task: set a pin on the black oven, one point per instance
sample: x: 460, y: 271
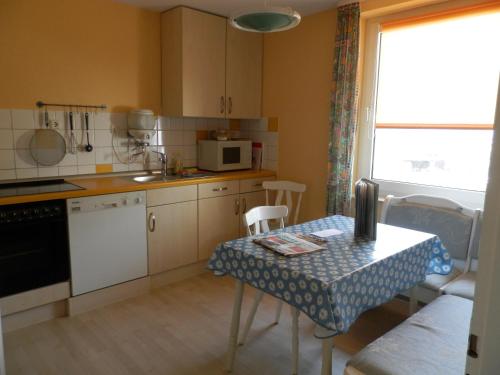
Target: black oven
x: 34, y: 248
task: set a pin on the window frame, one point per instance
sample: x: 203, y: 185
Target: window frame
x: 366, y: 119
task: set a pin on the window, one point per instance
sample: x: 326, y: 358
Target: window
x: 433, y: 104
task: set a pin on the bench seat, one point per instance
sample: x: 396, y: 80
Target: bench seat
x: 463, y: 286
x: 431, y: 342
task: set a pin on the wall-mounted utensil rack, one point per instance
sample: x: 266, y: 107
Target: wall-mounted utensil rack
x: 41, y: 104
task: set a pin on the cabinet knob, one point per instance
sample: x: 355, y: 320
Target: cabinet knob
x: 220, y: 189
x: 230, y: 105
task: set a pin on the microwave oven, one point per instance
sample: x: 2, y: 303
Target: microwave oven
x: 218, y: 156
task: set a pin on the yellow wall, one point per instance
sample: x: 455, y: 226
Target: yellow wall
x: 296, y: 89
x: 80, y: 51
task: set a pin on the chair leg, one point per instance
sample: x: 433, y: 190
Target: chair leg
x: 295, y: 340
x: 235, y: 326
x: 413, y: 301
x: 256, y: 301
x: 278, y: 312
x: 326, y: 365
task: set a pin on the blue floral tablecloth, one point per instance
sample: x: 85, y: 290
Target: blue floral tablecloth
x: 334, y: 286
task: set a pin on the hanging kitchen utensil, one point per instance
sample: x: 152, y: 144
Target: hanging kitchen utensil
x: 88, y: 146
x: 47, y: 146
x: 72, y: 139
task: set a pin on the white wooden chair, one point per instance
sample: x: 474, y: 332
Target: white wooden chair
x: 453, y: 223
x: 258, y: 219
x: 464, y: 285
x: 286, y: 189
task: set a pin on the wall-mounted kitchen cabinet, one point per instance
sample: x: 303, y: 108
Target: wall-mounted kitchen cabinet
x: 243, y: 73
x: 209, y: 69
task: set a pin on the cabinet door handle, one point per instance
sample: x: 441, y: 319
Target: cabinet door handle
x: 244, y: 210
x: 152, y: 222
x: 222, y: 104
x: 230, y: 105
x: 220, y: 189
x: 236, y: 206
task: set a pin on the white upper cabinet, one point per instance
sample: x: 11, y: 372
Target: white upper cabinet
x: 209, y: 69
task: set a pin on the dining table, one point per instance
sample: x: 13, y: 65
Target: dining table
x: 334, y: 286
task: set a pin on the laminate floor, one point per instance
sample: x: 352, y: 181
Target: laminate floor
x: 182, y: 329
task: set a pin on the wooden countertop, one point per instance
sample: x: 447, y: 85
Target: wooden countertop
x: 120, y: 184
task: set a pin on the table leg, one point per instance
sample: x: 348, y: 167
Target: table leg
x: 258, y: 297
x: 326, y: 365
x: 413, y: 301
x: 235, y: 326
x: 295, y: 340
x: 278, y: 312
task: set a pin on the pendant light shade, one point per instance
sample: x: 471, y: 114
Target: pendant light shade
x: 266, y: 20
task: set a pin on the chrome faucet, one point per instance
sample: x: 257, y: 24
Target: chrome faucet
x: 162, y: 156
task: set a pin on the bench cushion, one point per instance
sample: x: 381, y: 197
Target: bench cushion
x: 463, y: 286
x: 435, y: 281
x: 431, y: 342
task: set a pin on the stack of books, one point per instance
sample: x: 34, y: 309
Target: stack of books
x: 365, y: 223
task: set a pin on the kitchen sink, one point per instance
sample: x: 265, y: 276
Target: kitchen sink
x: 160, y: 178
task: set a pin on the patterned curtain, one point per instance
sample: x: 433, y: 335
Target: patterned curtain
x: 343, y: 109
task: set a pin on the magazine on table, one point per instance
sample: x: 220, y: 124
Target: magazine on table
x: 290, y: 244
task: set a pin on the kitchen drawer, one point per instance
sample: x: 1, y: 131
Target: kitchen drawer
x: 218, y: 189
x: 157, y: 197
x: 253, y: 184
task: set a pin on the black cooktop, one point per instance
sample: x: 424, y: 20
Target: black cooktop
x: 36, y: 187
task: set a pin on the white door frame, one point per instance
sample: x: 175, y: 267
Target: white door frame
x: 485, y: 324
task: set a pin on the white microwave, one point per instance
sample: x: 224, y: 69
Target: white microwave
x: 220, y: 156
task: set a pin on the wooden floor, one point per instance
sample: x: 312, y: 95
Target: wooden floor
x: 181, y: 329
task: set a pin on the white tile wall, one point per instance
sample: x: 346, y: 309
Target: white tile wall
x: 5, y: 119
x: 23, y: 119
x: 178, y: 137
x: 257, y: 131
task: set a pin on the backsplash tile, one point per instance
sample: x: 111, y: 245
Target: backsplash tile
x: 7, y: 160
x: 23, y: 119
x: 7, y: 174
x: 24, y: 159
x: 22, y: 138
x: 6, y: 139
x: 112, y: 145
x: 27, y: 173
x: 5, y: 119
x: 259, y: 130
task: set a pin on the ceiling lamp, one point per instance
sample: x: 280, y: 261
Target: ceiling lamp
x: 265, y: 20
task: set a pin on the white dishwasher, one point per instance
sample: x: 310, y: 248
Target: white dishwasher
x: 107, y: 239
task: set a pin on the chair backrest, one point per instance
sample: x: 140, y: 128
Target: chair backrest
x: 474, y: 257
x: 285, y: 189
x: 455, y: 224
x: 258, y: 218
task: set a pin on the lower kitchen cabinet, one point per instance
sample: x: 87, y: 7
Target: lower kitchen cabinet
x: 218, y: 221
x: 247, y: 202
x: 172, y: 236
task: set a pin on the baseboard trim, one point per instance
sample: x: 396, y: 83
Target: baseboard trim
x: 35, y: 315
x: 178, y: 274
x: 34, y: 298
x: 106, y: 296
x: 36, y: 306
